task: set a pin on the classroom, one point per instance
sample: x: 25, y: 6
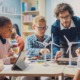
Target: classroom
x: 39, y: 40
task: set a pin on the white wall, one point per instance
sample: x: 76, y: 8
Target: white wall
x: 50, y: 6
x: 13, y: 4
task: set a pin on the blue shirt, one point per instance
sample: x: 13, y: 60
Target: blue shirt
x: 33, y: 47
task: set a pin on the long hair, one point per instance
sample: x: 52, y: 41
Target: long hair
x: 17, y: 29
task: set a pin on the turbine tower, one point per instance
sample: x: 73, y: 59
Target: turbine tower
x: 52, y: 43
x: 44, y: 43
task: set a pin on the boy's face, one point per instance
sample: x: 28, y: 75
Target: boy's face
x: 6, y: 31
x: 40, y: 29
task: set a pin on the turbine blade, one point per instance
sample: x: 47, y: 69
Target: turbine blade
x: 66, y: 39
x: 46, y: 39
x: 75, y: 42
x: 39, y: 42
x: 50, y: 42
x: 55, y: 44
x: 67, y: 50
x: 45, y: 43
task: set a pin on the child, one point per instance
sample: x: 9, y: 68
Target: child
x: 35, y: 49
x: 6, y: 53
x: 5, y: 32
x: 18, y: 38
x: 14, y: 42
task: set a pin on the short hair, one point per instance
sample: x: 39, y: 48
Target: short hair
x: 4, y: 21
x: 38, y: 19
x: 63, y: 7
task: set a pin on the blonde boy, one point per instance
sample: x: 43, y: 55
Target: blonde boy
x: 36, y: 50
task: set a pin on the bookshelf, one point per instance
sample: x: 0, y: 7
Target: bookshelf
x: 10, y: 14
x: 30, y: 9
x: 31, y: 12
x: 27, y: 22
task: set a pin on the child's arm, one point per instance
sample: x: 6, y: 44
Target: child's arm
x: 10, y: 50
x: 77, y: 76
x: 20, y: 43
x: 78, y: 52
x: 9, y: 60
x: 11, y: 55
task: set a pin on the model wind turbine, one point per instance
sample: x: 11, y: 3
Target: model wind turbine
x: 52, y: 43
x: 44, y: 44
x: 69, y: 48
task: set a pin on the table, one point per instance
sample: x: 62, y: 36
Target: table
x: 35, y: 69
x: 70, y: 71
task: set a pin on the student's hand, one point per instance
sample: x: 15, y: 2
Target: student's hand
x: 58, y: 54
x: 12, y: 60
x: 78, y: 52
x: 9, y: 55
x: 42, y: 51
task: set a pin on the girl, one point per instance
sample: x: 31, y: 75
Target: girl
x: 6, y: 53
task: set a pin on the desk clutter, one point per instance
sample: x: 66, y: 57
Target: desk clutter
x: 65, y: 61
x: 60, y: 61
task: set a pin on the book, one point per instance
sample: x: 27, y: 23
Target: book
x: 24, y: 6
